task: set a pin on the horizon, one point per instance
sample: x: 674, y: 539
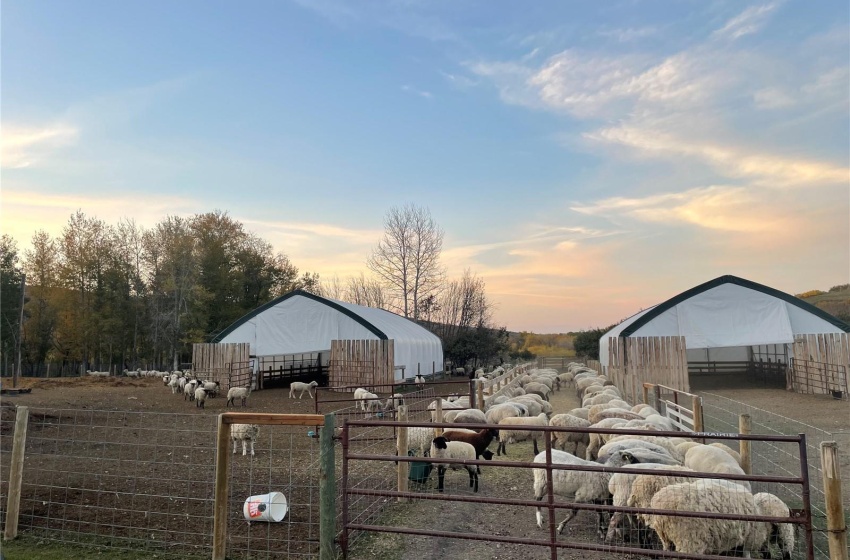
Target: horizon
x: 586, y: 161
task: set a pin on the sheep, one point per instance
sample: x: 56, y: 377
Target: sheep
x: 734, y: 454
x: 770, y: 505
x: 694, y: 535
x: 200, y: 397
x: 500, y: 411
x: 446, y: 405
x: 660, y: 453
x: 620, y: 485
x: 441, y: 448
x: 212, y: 388
x: 709, y: 459
x: 668, y: 444
x: 238, y: 393
x: 419, y: 439
x: 174, y: 383
x: 561, y: 439
x: 189, y: 390
x: 419, y: 379
x: 244, y: 433
x: 301, y: 388
x: 579, y: 412
x: 507, y: 435
x: 578, y: 486
x: 684, y: 445
x: 469, y: 416
x: 479, y: 440
x: 371, y: 402
x: 394, y: 402
x: 613, y: 413
x: 598, y: 440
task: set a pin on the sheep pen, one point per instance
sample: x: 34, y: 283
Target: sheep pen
x: 187, y: 434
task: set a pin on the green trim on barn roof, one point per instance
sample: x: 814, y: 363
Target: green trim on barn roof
x: 728, y: 279
x: 332, y: 304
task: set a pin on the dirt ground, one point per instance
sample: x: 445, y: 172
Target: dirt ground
x: 149, y: 395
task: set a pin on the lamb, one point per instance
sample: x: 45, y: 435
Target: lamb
x: 419, y: 379
x: 370, y: 402
x: 693, y: 535
x: 244, y: 433
x: 441, y: 448
x: 479, y: 440
x: 561, y: 439
x: 768, y: 504
x: 241, y: 393
x: 189, y: 390
x: 212, y: 388
x: 174, y: 383
x: 507, y: 435
x: 301, y: 388
x: 200, y: 397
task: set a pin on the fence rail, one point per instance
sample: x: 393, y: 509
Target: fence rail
x: 818, y: 378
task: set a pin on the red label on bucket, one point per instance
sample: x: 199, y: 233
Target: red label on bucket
x: 254, y: 509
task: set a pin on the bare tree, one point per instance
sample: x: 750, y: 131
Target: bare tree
x: 406, y: 258
x: 367, y: 291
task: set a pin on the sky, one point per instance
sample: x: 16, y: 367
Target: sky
x: 586, y: 159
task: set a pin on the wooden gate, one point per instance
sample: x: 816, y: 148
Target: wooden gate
x: 213, y: 360
x: 633, y: 361
x: 361, y: 363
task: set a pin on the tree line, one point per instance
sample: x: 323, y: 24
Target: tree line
x: 101, y: 296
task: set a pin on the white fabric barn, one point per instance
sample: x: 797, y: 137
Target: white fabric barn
x: 728, y: 319
x: 301, y: 322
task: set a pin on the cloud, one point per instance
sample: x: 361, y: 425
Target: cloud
x: 27, y: 146
x: 626, y: 35
x: 772, y: 98
x: 737, y: 162
x: 419, y: 92
x: 747, y: 22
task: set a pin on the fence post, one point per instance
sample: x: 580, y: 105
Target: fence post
x: 439, y: 410
x: 745, y: 426
x: 645, y: 393
x: 699, y: 425
x: 835, y: 525
x: 16, y: 473
x: 401, y: 450
x: 327, y: 489
x: 479, y: 387
x: 656, y: 389
x: 222, y: 475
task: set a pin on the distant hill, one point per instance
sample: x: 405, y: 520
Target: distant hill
x: 835, y: 301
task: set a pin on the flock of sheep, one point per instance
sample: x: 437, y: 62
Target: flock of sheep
x: 525, y: 403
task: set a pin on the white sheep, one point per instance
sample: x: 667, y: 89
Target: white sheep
x: 301, y: 388
x: 660, y: 454
x: 561, y: 439
x: 577, y: 486
x: 694, y: 535
x: 244, y: 433
x: 241, y: 393
x: 174, y: 382
x: 513, y: 435
x: 189, y: 390
x: 394, y: 402
x: 200, y: 397
x: 419, y: 439
x: 469, y: 416
x: 419, y: 379
x: 710, y: 459
x: 770, y: 505
x: 211, y: 387
x: 441, y: 448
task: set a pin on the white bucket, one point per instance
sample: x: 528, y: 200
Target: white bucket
x: 266, y: 507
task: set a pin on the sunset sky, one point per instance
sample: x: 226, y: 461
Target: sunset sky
x: 586, y: 159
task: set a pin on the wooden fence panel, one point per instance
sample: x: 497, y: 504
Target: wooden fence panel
x: 218, y: 357
x: 633, y: 361
x: 831, y: 349
x: 362, y: 363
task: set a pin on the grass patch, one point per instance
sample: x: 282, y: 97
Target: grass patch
x: 35, y: 548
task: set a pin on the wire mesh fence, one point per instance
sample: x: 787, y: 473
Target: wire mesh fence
x: 769, y: 458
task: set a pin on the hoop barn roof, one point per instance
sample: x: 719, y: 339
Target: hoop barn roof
x: 303, y: 322
x: 727, y: 312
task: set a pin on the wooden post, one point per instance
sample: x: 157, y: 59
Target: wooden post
x: 480, y: 401
x: 699, y: 425
x: 327, y: 490
x: 645, y: 393
x: 401, y: 446
x: 745, y: 426
x: 835, y: 524
x: 16, y: 473
x: 222, y: 475
x: 657, y: 391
